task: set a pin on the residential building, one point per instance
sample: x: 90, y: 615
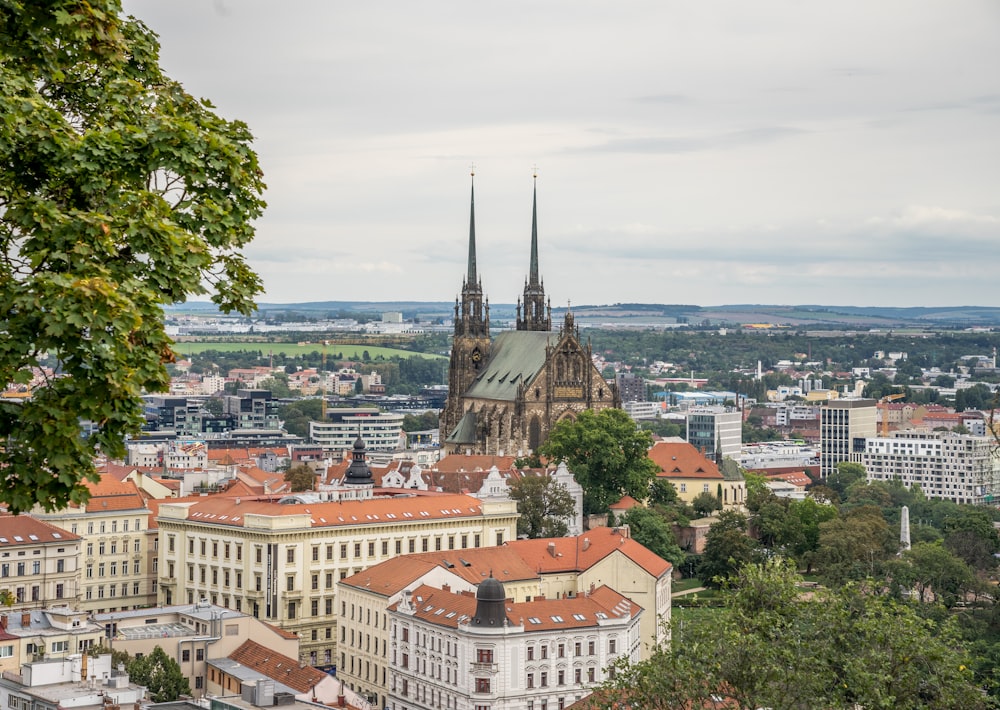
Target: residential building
x: 280, y: 560
x: 692, y: 473
x: 459, y: 650
x: 844, y: 425
x: 114, y: 561
x: 959, y: 467
x: 631, y: 387
x: 79, y: 681
x: 53, y: 632
x: 381, y: 431
x: 556, y: 568
x: 716, y: 431
x: 191, y: 634
x: 252, y: 409
x: 39, y: 562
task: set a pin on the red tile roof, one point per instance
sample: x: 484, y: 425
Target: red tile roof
x: 549, y: 555
x: 225, y: 510
x: 281, y: 668
x: 682, y: 460
x: 23, y: 529
x: 448, y: 609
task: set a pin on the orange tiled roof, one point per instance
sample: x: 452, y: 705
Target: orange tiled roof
x: 682, y: 460
x: 108, y: 493
x: 25, y: 530
x: 274, y: 665
x: 582, y: 552
x: 454, y: 463
x: 626, y: 503
x: 445, y: 608
x: 226, y: 510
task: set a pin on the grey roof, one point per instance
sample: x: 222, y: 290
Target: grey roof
x: 516, y: 357
x: 465, y: 431
x: 245, y: 674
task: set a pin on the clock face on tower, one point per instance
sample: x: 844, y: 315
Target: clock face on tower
x: 476, y: 356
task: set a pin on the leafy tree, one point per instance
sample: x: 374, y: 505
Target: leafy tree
x: 767, y: 648
x: 662, y: 427
x: 119, y: 194
x: 117, y: 655
x: 855, y: 546
x: 301, y: 478
x: 933, y: 573
x: 662, y: 492
x: 845, y: 474
x: 653, y: 531
x: 727, y: 548
x: 420, y: 422
x: 297, y: 415
x: 544, y: 504
x: 161, y: 675
x: 214, y: 406
x: 7, y: 598
x: 705, y: 504
x: 606, y: 454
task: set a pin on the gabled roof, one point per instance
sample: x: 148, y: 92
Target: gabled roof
x: 109, y: 493
x: 465, y: 431
x: 274, y: 665
x: 516, y: 356
x: 459, y: 463
x: 563, y: 554
x: 682, y: 460
x: 448, y: 609
x: 25, y: 530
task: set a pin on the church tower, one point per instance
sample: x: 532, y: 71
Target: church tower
x: 537, y: 314
x: 470, y: 347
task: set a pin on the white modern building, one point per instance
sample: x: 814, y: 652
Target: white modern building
x: 715, y: 430
x: 381, y: 431
x: 959, y: 467
x: 844, y: 425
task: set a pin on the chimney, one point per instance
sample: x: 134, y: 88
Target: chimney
x: 552, y: 549
x: 341, y: 701
x: 25, y: 619
x: 3, y: 622
x: 586, y: 544
x: 445, y: 587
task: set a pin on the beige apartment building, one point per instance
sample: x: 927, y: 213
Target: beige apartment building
x: 282, y: 561
x: 39, y: 563
x: 114, y: 560
x: 553, y: 569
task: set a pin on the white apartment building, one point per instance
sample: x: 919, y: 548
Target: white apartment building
x: 959, y: 467
x: 844, y: 425
x: 460, y: 651
x: 381, y: 431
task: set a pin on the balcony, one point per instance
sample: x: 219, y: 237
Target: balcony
x: 480, y: 668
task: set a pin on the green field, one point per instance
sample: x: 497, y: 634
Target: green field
x: 350, y: 352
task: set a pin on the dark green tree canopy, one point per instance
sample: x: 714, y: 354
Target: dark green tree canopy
x: 544, y: 505
x: 301, y: 478
x: 161, y: 675
x: 606, y: 453
x: 119, y: 193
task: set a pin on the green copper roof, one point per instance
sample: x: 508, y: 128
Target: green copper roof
x: 465, y: 432
x: 516, y: 357
x: 472, y: 236
x: 533, y: 279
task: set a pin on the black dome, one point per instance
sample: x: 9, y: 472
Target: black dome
x: 490, y: 599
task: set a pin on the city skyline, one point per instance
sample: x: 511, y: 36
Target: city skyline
x: 705, y: 153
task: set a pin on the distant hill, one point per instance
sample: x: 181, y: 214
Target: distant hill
x: 658, y: 313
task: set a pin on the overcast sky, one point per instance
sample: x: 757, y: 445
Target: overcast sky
x: 840, y: 153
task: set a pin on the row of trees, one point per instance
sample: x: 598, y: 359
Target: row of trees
x: 160, y: 674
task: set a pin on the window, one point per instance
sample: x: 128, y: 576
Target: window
x: 290, y: 555
x: 437, y: 544
x: 612, y: 645
x: 199, y: 681
x: 225, y: 550
x: 371, y: 549
x: 4, y: 571
x: 500, y: 538
x: 576, y: 649
x: 545, y: 679
x: 258, y: 553
x: 704, y: 488
x: 385, y: 548
x: 343, y: 551
x: 482, y: 685
x: 203, y: 546
x: 315, y: 581
x: 315, y: 553
x: 423, y: 545
x: 399, y: 547
x: 185, y: 655
x: 90, y: 549
x: 578, y: 676
x: 531, y: 679
x: 170, y: 543
x: 590, y: 648
x: 562, y: 677
x: 545, y: 651
x: 314, y: 608
x: 562, y: 650
x: 484, y: 655
x: 136, y: 547
x: 413, y: 545
x: 291, y: 610
x: 100, y: 570
x: 36, y: 567
x: 357, y: 549
x: 590, y: 675
x: 684, y: 488
x: 290, y: 583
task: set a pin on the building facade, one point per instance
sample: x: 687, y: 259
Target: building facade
x: 281, y: 561
x: 958, y: 467
x: 477, y: 652
x: 381, y: 431
x: 506, y: 393
x: 844, y: 425
x: 114, y: 560
x: 39, y: 563
x: 716, y: 431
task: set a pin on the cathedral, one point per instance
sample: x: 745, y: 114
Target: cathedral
x: 506, y: 393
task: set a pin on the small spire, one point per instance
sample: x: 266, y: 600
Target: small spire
x: 533, y: 269
x: 472, y: 230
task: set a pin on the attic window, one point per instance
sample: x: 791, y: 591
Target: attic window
x: 534, y: 620
x: 579, y: 617
x: 56, y: 535
x: 33, y: 538
x: 557, y: 619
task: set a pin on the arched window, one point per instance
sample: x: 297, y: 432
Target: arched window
x: 534, y: 433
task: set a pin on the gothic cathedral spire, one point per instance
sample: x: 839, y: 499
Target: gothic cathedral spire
x: 537, y: 314
x: 472, y: 314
